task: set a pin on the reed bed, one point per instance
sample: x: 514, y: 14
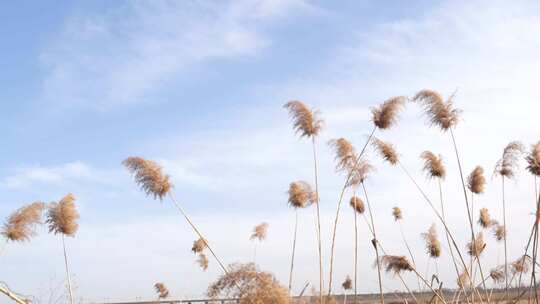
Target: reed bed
x: 251, y: 285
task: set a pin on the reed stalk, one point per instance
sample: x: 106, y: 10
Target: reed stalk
x: 375, y: 245
x: 316, y: 173
x: 293, y: 249
x: 68, y: 276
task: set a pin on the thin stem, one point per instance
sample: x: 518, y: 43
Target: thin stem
x: 408, y: 249
x: 349, y: 175
x: 505, y: 248
x: 67, y: 271
x: 446, y: 232
x: 355, y: 254
x: 10, y: 294
x: 428, y: 285
x: 198, y: 232
x: 293, y: 249
x: 318, y: 219
x: 375, y: 244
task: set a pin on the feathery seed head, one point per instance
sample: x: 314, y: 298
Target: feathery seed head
x: 161, y: 290
x: 463, y: 280
x: 533, y: 160
x: 305, y: 121
x: 357, y: 204
x: 386, y: 150
x: 508, y: 164
x: 62, y: 216
x: 433, y: 165
x: 199, y: 245
x: 386, y: 114
x: 345, y: 154
x: 485, y: 219
x: 433, y: 245
x: 359, y: 173
x: 396, y: 212
x: 521, y: 265
x: 347, y: 284
x: 497, y: 274
x: 149, y: 176
x: 476, y: 247
x: 396, y: 264
x: 301, y: 195
x: 20, y: 225
x: 476, y: 180
x: 499, y: 231
x: 440, y: 113
x: 203, y: 261
x: 259, y: 232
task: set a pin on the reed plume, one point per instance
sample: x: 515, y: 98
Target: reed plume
x: 259, y: 232
x: 359, y: 173
x: 440, y: 113
x: 485, y: 219
x: 20, y: 225
x: 347, y: 284
x: 396, y: 213
x: 300, y: 194
x: 476, y: 246
x: 203, y: 261
x: 499, y: 231
x: 433, y: 165
x: 508, y: 164
x: 357, y: 204
x: 386, y: 150
x: 463, y: 280
x: 345, y: 154
x: 533, y: 160
x: 149, y: 176
x: 62, y: 219
x: 161, y: 290
x: 396, y: 264
x: 199, y: 245
x: 476, y: 181
x: 256, y: 287
x: 521, y: 265
x: 497, y: 274
x: 386, y: 114
x: 433, y: 245
x: 306, y: 121
x: 62, y: 216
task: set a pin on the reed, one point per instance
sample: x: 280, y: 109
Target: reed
x: 161, y: 290
x: 259, y: 234
x: 398, y: 218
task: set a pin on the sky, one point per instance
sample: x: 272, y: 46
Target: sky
x: 199, y: 87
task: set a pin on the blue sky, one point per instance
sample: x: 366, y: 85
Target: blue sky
x: 199, y: 87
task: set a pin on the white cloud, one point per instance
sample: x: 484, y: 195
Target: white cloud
x: 120, y: 56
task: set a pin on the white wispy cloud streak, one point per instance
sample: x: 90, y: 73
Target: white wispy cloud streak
x: 119, y: 57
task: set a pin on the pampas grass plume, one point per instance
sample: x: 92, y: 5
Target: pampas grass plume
x: 533, y: 160
x: 357, y: 204
x: 62, y: 216
x: 305, y: 121
x: 161, y: 290
x: 259, y: 232
x: 440, y: 113
x: 386, y: 114
x: 476, y: 180
x: 396, y: 212
x: 433, y: 165
x: 386, y: 150
x: 507, y: 165
x: 20, y: 225
x: 149, y: 176
x: 301, y: 194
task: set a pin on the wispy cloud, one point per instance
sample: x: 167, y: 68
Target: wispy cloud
x: 118, y: 57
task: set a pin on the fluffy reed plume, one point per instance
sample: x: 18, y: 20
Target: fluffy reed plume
x: 396, y: 212
x: 521, y: 265
x: 149, y: 176
x: 508, y: 164
x: 476, y: 246
x: 259, y: 232
x: 485, y: 219
x: 359, y: 173
x: 161, y: 290
x: 20, y: 225
x: 476, y: 180
x: 433, y: 165
x: 533, y: 160
x: 440, y: 113
x: 386, y: 114
x: 62, y: 216
x: 357, y: 204
x: 199, y: 245
x: 300, y: 194
x: 386, y: 150
x: 203, y: 261
x: 396, y: 264
x: 497, y: 274
x: 499, y: 231
x: 463, y: 280
x: 305, y: 121
x: 347, y: 284
x: 254, y: 286
x: 433, y: 245
x: 345, y: 154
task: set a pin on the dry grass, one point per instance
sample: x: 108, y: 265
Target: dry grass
x: 386, y: 150
x: 440, y: 113
x: 386, y: 114
x: 396, y: 264
x: 255, y: 287
x: 199, y: 245
x: 433, y: 165
x: 476, y: 181
x: 485, y: 219
x: 306, y: 121
x: 20, y: 225
x: 62, y: 216
x: 259, y: 232
x: 301, y: 194
x: 499, y: 231
x: 497, y: 274
x: 509, y: 163
x: 476, y: 247
x: 533, y: 160
x: 397, y: 214
x: 161, y: 290
x: 357, y: 204
x: 433, y: 245
x: 149, y: 176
